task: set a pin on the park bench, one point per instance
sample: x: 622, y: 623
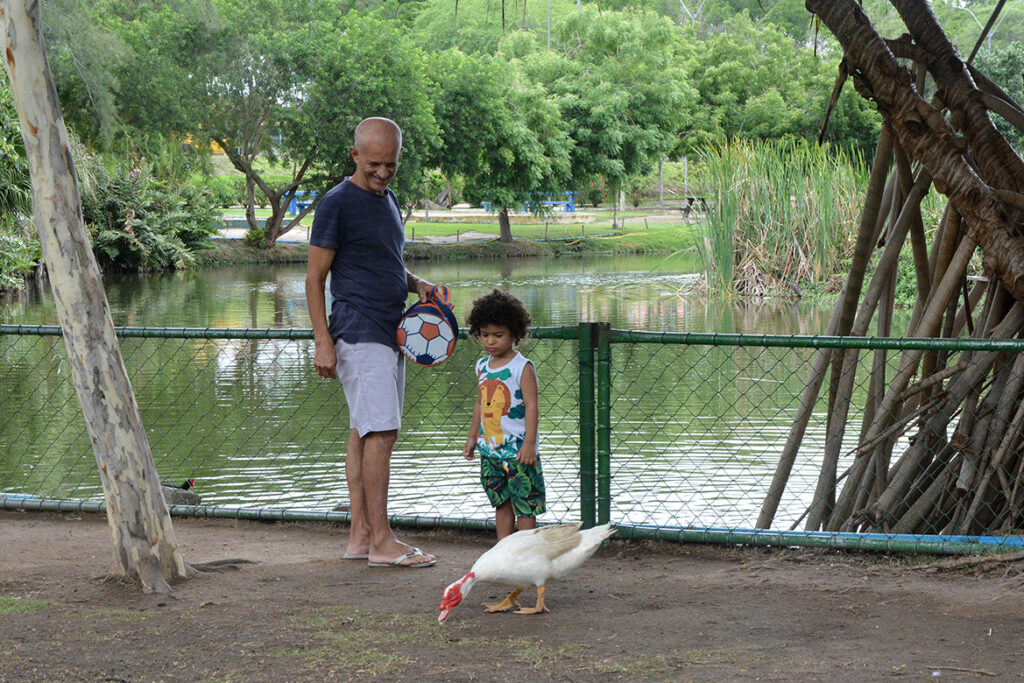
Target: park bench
x: 565, y: 200
x: 300, y: 201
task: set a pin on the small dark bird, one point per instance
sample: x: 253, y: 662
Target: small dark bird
x: 181, y: 495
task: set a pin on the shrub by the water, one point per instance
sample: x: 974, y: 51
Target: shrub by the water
x: 139, y: 223
x: 19, y: 256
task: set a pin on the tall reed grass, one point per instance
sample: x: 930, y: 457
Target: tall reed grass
x: 781, y: 217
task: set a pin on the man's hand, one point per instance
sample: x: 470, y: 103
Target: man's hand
x: 325, y: 360
x: 419, y: 285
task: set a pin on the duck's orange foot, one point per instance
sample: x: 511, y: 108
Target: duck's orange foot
x: 539, y: 608
x: 508, y: 603
x: 532, y: 610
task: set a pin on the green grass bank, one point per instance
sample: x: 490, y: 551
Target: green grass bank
x: 634, y: 233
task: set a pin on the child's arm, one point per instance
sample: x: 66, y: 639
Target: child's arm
x: 528, y: 385
x: 474, y: 431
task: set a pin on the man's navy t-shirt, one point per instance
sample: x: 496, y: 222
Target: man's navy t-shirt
x: 368, y: 281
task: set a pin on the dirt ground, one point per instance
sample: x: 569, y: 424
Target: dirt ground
x: 635, y: 611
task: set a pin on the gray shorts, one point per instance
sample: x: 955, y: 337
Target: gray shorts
x: 373, y: 376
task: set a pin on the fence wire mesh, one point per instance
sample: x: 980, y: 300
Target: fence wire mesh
x: 690, y: 433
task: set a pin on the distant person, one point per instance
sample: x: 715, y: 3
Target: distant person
x: 358, y: 237
x: 504, y: 427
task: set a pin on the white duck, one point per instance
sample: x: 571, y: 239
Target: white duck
x: 527, y: 558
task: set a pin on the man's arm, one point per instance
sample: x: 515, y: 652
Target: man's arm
x: 320, y: 260
x: 418, y: 285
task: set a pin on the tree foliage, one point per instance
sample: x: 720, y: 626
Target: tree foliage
x: 1005, y: 66
x: 501, y: 132
x: 86, y: 54
x: 754, y: 82
x: 374, y: 70
x: 621, y: 87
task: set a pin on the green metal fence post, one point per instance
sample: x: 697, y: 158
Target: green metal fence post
x: 587, y: 465
x: 604, y: 422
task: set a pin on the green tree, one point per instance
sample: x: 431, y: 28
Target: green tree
x: 1005, y: 66
x: 502, y: 133
x: 479, y: 26
x: 620, y: 81
x: 86, y: 53
x: 372, y: 68
x: 282, y: 80
x: 754, y: 82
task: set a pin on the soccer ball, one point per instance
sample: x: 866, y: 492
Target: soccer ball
x: 425, y: 335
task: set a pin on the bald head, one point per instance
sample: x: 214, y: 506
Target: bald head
x: 376, y: 148
x: 377, y: 128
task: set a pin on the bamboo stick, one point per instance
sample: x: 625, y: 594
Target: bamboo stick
x: 934, y: 481
x: 883, y: 279
x: 1010, y: 435
x: 927, y: 327
x: 866, y: 236
x: 894, y: 500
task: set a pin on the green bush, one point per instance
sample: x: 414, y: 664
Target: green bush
x: 593, y: 192
x: 225, y: 190
x: 19, y: 256
x: 137, y: 223
x: 19, y: 250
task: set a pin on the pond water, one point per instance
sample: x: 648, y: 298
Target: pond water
x: 696, y: 431
x: 631, y: 292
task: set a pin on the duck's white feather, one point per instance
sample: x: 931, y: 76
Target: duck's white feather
x: 534, y: 556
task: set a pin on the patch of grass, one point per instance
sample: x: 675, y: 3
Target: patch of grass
x: 782, y: 215
x: 372, y: 644
x: 237, y: 251
x: 9, y: 605
x: 362, y: 642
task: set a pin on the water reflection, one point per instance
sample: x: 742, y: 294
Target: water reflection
x: 696, y: 431
x: 631, y: 292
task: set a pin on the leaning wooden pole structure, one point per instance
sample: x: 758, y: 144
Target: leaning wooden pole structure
x: 940, y: 446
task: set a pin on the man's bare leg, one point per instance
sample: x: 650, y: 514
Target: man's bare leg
x: 376, y: 472
x: 359, y: 527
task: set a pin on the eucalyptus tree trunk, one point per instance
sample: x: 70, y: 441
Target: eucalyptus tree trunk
x: 143, y: 535
x: 967, y: 481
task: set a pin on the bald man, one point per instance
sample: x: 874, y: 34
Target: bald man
x: 358, y: 238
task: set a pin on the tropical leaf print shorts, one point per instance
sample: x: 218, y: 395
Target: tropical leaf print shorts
x: 509, y: 480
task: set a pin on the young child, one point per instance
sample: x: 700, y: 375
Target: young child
x: 504, y: 428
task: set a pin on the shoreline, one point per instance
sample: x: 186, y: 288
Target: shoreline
x: 229, y: 250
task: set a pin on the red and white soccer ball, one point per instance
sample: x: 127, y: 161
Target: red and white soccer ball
x: 426, y: 338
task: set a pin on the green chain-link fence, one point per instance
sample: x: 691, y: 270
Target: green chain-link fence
x: 667, y: 435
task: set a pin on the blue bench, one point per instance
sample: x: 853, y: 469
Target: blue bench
x: 565, y: 200
x: 300, y: 201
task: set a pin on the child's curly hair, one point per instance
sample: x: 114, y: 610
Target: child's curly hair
x: 499, y: 308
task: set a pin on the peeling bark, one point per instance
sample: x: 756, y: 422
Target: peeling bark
x: 143, y: 536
